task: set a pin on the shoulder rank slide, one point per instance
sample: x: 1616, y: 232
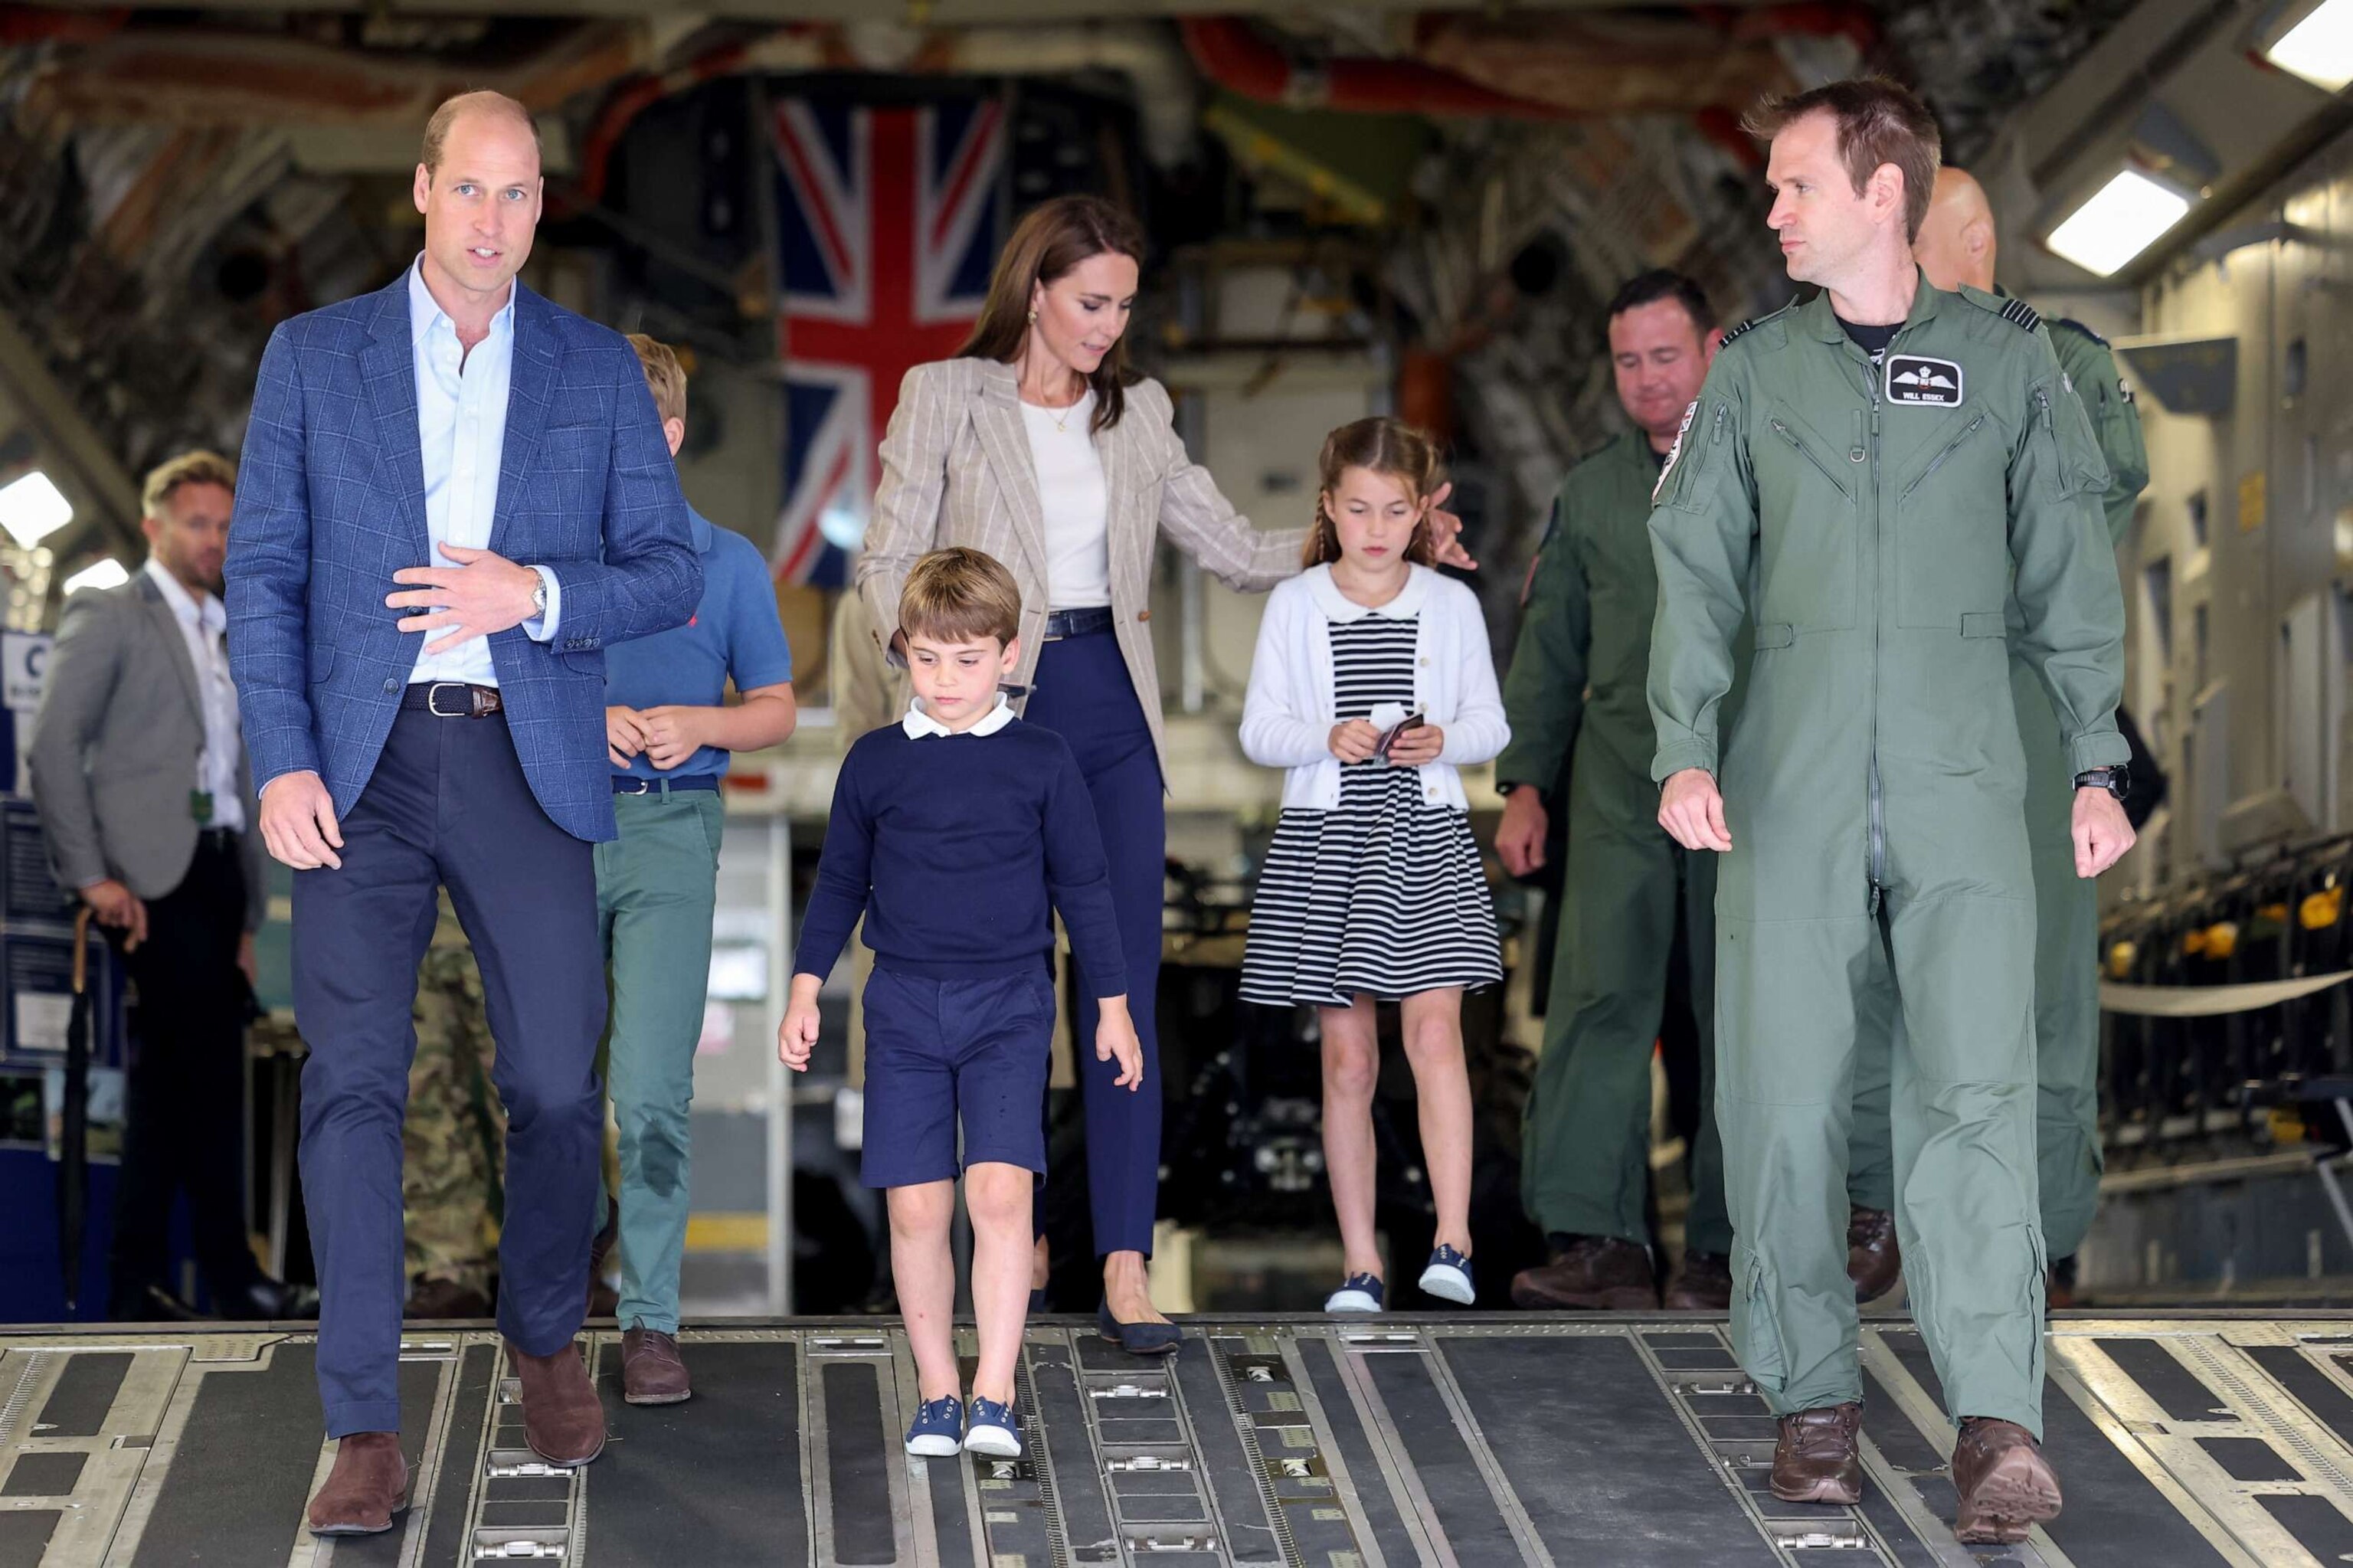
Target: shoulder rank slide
x: 2074, y: 325
x: 2019, y: 314
x: 1751, y: 323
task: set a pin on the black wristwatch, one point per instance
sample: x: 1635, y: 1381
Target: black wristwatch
x: 1505, y: 790
x: 2115, y: 781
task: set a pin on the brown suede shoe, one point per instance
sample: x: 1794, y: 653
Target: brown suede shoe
x: 652, y: 1371
x: 1701, y: 1284
x: 1815, y: 1460
x: 1593, y: 1274
x: 366, y: 1490
x: 562, y: 1419
x: 2005, y: 1484
x: 1873, y: 1260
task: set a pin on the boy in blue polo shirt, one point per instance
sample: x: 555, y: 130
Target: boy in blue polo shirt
x: 670, y: 737
x: 958, y: 833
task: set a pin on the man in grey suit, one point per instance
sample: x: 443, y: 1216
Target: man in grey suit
x: 147, y: 807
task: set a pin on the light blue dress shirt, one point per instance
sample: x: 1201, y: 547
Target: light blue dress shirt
x: 461, y: 428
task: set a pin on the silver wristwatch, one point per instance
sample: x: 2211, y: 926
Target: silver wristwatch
x: 538, y: 595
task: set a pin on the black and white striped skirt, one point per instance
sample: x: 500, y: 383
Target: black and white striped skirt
x: 1382, y: 897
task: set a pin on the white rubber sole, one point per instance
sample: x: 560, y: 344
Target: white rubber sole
x: 1350, y: 1301
x: 934, y: 1445
x: 995, y: 1442
x: 1449, y: 1285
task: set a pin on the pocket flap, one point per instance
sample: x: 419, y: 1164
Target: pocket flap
x: 1984, y: 623
x: 1776, y: 634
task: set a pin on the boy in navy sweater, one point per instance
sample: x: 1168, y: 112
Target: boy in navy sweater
x: 957, y: 833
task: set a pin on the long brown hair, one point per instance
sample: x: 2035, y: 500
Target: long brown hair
x: 1383, y: 445
x: 1051, y: 239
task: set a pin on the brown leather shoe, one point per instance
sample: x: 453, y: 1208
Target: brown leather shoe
x: 2005, y: 1484
x: 1593, y: 1274
x: 447, y: 1299
x: 366, y: 1490
x: 652, y: 1371
x: 1815, y: 1459
x: 562, y: 1419
x: 1702, y: 1283
x: 1873, y: 1260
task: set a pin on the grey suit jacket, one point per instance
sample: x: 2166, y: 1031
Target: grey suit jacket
x: 956, y: 470
x: 115, y: 746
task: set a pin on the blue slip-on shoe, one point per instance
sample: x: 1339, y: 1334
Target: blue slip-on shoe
x: 1037, y: 1303
x: 1137, y: 1339
x: 1448, y: 1277
x: 996, y: 1431
x: 1358, y: 1293
x: 938, y: 1431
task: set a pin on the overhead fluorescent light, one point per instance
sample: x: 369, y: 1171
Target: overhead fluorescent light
x: 2122, y: 219
x: 108, y: 573
x: 2320, y: 47
x: 32, y: 509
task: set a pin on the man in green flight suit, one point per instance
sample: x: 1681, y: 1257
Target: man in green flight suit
x: 1869, y: 476
x: 1631, y: 892
x: 1957, y: 247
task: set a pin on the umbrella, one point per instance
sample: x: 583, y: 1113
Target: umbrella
x: 73, y: 1137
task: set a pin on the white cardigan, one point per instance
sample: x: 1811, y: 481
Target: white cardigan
x: 1288, y: 716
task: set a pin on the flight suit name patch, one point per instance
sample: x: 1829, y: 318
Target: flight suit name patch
x: 1933, y: 383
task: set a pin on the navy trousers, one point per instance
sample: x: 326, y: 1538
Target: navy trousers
x: 448, y: 804
x: 1082, y: 692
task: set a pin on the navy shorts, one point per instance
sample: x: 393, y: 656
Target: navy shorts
x: 940, y: 1051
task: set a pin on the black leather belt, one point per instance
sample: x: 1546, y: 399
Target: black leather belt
x: 451, y: 699
x: 1061, y: 623
x: 624, y: 785
x: 220, y: 840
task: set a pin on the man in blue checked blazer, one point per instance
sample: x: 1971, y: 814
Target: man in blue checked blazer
x: 455, y: 495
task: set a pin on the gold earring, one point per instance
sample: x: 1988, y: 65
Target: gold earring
x: 1033, y: 318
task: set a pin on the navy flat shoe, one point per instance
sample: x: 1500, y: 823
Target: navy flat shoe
x: 1137, y: 1339
x: 1037, y: 1303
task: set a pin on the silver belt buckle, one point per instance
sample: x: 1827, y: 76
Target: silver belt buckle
x: 433, y: 699
x: 635, y: 787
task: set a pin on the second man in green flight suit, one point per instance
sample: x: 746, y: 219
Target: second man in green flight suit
x: 1958, y: 247
x: 1872, y: 477
x: 1630, y: 894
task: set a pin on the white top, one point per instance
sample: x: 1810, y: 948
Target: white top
x: 461, y: 431
x: 919, y: 723
x: 1288, y: 716
x: 1077, y: 506
x: 203, y: 624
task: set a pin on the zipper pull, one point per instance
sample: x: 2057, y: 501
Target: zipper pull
x: 1874, y: 899
x: 1855, y: 453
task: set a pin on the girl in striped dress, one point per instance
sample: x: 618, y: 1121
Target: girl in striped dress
x: 1371, y: 685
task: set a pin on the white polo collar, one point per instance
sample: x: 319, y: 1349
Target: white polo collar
x: 919, y: 723
x: 1338, y: 607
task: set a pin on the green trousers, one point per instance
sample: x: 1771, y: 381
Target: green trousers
x: 2066, y: 1007
x: 1586, y: 1153
x: 657, y: 887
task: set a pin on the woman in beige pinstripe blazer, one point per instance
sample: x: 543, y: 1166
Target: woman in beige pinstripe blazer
x: 1042, y: 389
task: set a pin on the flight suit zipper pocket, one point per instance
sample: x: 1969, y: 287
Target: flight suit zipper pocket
x: 1790, y: 436
x: 1950, y: 448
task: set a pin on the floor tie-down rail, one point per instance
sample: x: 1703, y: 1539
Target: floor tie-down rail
x: 1466, y: 1439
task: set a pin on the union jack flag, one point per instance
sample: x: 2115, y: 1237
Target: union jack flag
x: 890, y: 221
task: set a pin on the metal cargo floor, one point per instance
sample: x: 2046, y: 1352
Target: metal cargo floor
x: 1469, y: 1439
